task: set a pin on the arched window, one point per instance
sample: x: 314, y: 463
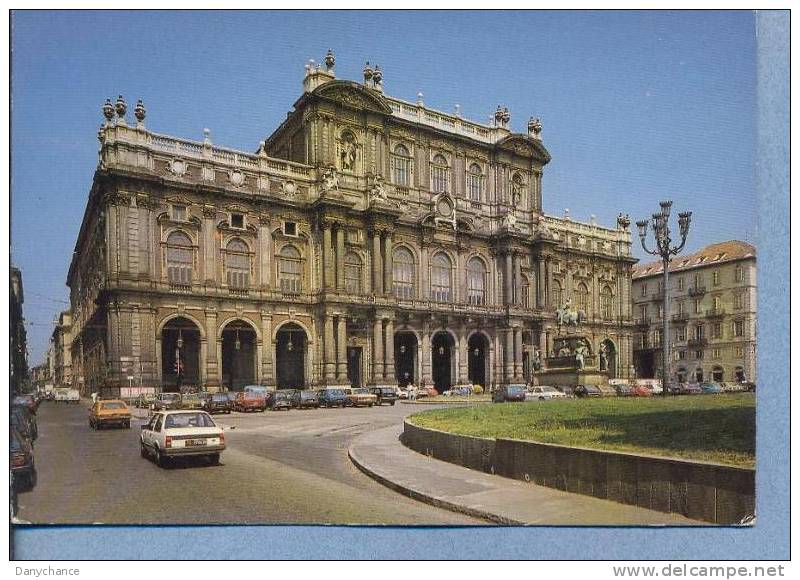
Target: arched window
x: 352, y: 273
x: 517, y: 186
x: 403, y: 273
x: 290, y: 269
x: 476, y: 281
x: 606, y: 303
x: 237, y: 264
x: 556, y: 295
x: 440, y: 175
x: 582, y: 298
x: 180, y: 256
x: 475, y: 183
x: 401, y: 166
x: 441, y: 280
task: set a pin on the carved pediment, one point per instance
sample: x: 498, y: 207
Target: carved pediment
x: 525, y: 147
x: 354, y: 96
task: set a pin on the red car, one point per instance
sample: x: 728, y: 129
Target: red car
x: 246, y: 402
x: 641, y: 391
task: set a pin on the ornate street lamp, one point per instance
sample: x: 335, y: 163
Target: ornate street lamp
x: 178, y: 363
x: 665, y: 249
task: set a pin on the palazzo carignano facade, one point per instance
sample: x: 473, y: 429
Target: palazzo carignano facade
x: 368, y: 241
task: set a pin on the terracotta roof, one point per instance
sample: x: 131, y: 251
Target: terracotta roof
x: 713, y: 254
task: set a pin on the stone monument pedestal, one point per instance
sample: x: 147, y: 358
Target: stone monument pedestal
x: 572, y: 365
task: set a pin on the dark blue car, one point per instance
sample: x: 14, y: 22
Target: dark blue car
x: 332, y: 398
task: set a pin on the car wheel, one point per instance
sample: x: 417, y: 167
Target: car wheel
x: 160, y: 460
x: 392, y: 403
x: 143, y: 450
x: 127, y: 424
x: 213, y: 459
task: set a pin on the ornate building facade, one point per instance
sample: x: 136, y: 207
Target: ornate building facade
x: 713, y: 298
x: 368, y: 240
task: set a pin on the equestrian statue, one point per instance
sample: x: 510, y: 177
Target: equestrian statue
x: 566, y: 315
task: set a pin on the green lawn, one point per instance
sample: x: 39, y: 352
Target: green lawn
x: 718, y: 428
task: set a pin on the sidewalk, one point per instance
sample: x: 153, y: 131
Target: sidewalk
x: 380, y: 455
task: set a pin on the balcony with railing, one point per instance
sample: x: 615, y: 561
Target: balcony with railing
x: 702, y: 341
x: 645, y: 321
x: 697, y: 290
x: 715, y: 312
x: 680, y: 317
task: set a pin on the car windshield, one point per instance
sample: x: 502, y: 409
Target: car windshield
x: 282, y: 395
x: 516, y: 389
x: 308, y: 395
x: 387, y: 391
x: 222, y: 397
x: 360, y: 391
x: 253, y: 396
x: 335, y: 392
x: 184, y: 420
x: 169, y: 396
x: 113, y: 405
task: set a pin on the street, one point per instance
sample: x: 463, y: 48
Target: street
x: 279, y: 468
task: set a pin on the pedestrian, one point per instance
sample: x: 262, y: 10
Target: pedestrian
x: 412, y: 392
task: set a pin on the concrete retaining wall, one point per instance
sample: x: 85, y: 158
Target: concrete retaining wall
x: 697, y: 490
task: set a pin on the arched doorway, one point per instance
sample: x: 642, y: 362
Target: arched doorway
x: 717, y: 374
x: 681, y: 375
x: 478, y: 355
x: 698, y: 375
x: 607, y: 356
x: 739, y: 374
x: 290, y: 357
x: 238, y: 355
x: 442, y: 349
x: 180, y: 355
x: 405, y: 357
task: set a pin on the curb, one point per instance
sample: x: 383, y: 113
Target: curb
x: 444, y: 402
x: 426, y: 498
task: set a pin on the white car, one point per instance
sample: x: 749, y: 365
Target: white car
x: 543, y: 393
x: 171, y: 434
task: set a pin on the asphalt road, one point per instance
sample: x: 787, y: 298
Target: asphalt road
x: 279, y: 468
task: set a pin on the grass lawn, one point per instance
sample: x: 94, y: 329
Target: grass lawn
x: 718, y: 428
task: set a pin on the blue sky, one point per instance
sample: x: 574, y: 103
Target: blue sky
x: 636, y: 106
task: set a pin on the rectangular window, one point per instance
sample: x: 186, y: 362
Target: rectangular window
x: 681, y: 355
x: 237, y: 221
x: 642, y: 341
x: 661, y: 311
x: 697, y: 305
x: 716, y: 330
x: 643, y: 312
x: 698, y: 354
x: 474, y: 186
x: 680, y: 334
x: 401, y: 171
x: 716, y: 353
x: 440, y: 179
x: 290, y: 228
x: 739, y: 352
x: 179, y: 213
x: 644, y: 289
x: 738, y: 328
x: 738, y: 301
x: 739, y: 275
x: 715, y: 277
x: 681, y: 284
x: 352, y: 278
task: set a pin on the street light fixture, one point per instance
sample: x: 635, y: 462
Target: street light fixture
x: 665, y: 249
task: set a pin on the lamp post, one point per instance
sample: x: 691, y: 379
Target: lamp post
x: 665, y: 249
x: 178, y: 363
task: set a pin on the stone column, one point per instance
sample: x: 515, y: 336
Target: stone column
x: 264, y: 255
x: 546, y: 283
x: 377, y: 269
x: 340, y: 259
x: 111, y: 239
x: 327, y: 256
x: 508, y: 355
x: 427, y: 376
x: 267, y: 374
x: 212, y: 361
x: 463, y: 357
x: 377, y: 350
x: 387, y: 263
x: 341, y: 350
x: 518, y: 278
x: 329, y: 344
x: 508, y: 280
x: 518, y: 353
x: 540, y: 278
x: 388, y: 352
x: 209, y: 251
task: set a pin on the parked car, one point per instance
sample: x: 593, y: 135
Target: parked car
x: 191, y: 401
x: 568, y: 390
x: 259, y: 390
x: 232, y: 398
x: 360, y: 397
x: 109, y: 412
x: 166, y: 401
x: 21, y: 460
x: 733, y: 387
x: 72, y: 396
x: 247, y: 402
x: 543, y: 393
x: 653, y: 384
x: 19, y: 420
x: 685, y: 389
x: 462, y: 391
x: 305, y: 399
x: 281, y: 399
x: 640, y: 391
x: 217, y: 403
x: 509, y: 394
x: 582, y: 391
x: 332, y: 398
x: 710, y: 388
x: 27, y: 401
x: 623, y: 390
x: 384, y: 395
x: 402, y: 392
x: 749, y: 386
x: 171, y: 434
x: 29, y: 417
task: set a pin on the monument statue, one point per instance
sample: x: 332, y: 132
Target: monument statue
x: 566, y: 315
x: 330, y: 180
x: 581, y: 352
x: 603, y: 357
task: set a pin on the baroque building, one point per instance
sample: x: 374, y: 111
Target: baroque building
x: 18, y: 338
x: 368, y: 240
x: 713, y: 315
x: 61, y: 346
